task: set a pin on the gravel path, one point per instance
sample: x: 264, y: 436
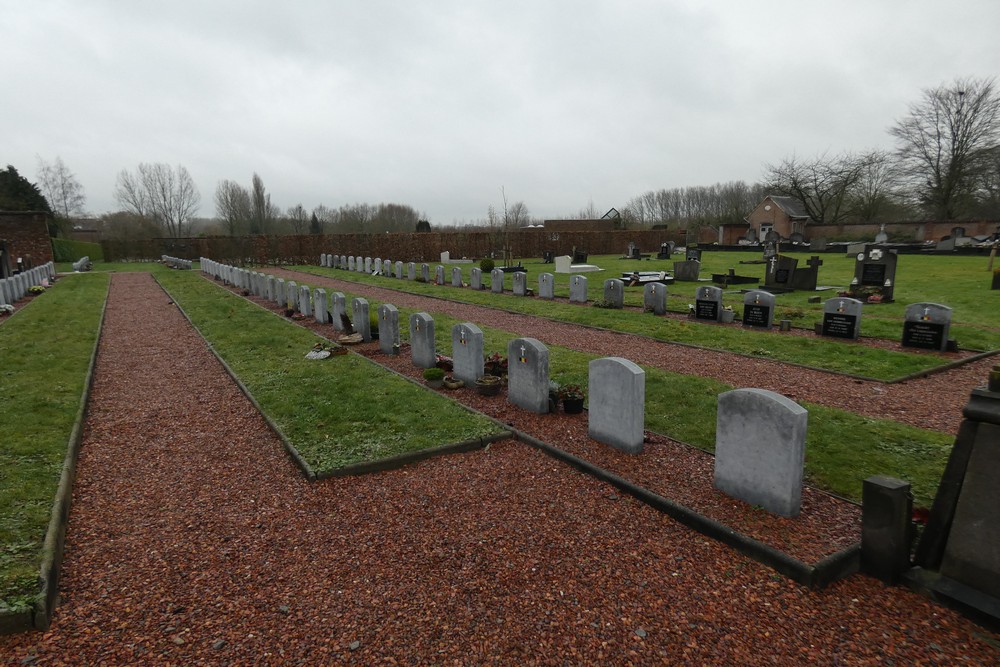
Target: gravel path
x: 193, y: 540
x: 934, y: 402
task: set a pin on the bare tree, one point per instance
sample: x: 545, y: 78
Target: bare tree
x: 157, y: 191
x: 232, y: 205
x: 944, y: 142
x: 262, y: 212
x: 60, y: 187
x: 875, y: 190
x: 298, y: 219
x: 823, y: 185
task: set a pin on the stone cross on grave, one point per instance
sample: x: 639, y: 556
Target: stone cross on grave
x: 773, y: 262
x: 523, y: 359
x: 815, y: 262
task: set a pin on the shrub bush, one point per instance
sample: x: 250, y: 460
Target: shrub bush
x: 486, y: 265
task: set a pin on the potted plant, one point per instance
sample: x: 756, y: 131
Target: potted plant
x: 434, y: 377
x: 488, y: 385
x: 495, y: 364
x: 727, y: 315
x: 572, y: 397
x: 444, y: 363
x: 452, y: 382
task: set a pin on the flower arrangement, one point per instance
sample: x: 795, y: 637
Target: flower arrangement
x: 495, y: 364
x: 36, y: 289
x: 572, y: 392
x: 444, y: 363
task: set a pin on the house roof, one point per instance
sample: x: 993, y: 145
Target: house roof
x: 792, y: 207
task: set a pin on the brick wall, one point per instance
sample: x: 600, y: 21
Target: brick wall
x: 26, y: 233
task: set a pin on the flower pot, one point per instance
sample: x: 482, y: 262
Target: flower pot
x: 572, y: 406
x: 488, y: 385
x: 726, y: 316
x: 435, y: 384
x: 453, y: 383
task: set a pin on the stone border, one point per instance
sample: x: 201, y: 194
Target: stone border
x: 53, y: 547
x: 364, y: 468
x: 930, y: 371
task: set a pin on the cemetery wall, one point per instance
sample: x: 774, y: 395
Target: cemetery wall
x: 26, y: 233
x: 897, y: 231
x: 409, y: 247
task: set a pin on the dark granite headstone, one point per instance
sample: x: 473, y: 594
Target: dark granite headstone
x: 876, y: 268
x: 758, y: 309
x: 842, y: 318
x: 693, y: 254
x: 926, y: 326
x: 708, y: 303
x: 996, y: 280
x: 780, y: 270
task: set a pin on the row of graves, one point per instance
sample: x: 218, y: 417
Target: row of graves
x: 759, y: 449
x: 926, y: 325
x: 16, y: 287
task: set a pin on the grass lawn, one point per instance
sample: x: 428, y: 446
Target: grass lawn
x: 46, y: 349
x: 335, y: 412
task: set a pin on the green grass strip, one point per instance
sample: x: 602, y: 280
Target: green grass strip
x: 46, y: 350
x: 335, y: 412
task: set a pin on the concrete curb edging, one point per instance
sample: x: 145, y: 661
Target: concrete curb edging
x: 55, y: 534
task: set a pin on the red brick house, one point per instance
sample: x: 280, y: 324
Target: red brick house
x: 23, y: 235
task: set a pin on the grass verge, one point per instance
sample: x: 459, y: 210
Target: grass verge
x: 46, y: 353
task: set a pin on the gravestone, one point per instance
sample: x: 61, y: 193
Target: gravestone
x: 439, y: 275
x: 760, y: 445
x: 411, y: 271
x: 806, y: 277
x: 614, y: 293
x: 528, y: 374
x: 456, y: 276
x: 654, y: 298
x: 496, y: 281
x: 467, y: 352
x: 425, y: 273
x: 770, y: 249
x: 291, y: 295
x: 305, y: 300
x: 376, y: 266
x: 633, y: 251
x: 687, y: 271
x: 817, y: 245
x: 350, y: 263
x: 926, y: 326
x: 708, y: 303
x: 361, y: 318
x: 279, y: 292
x: 881, y: 237
x: 368, y: 265
x: 399, y: 270
x: 388, y: 329
x: 563, y: 263
x: 83, y: 264
x: 546, y: 286
x: 692, y: 254
x: 617, y: 403
x: 842, y: 318
x: 387, y: 268
x: 780, y: 270
x: 758, y: 309
x: 996, y: 280
x: 875, y: 268
x: 666, y: 250
x: 476, y: 278
x: 422, y: 350
x: 322, y: 259
x: 338, y: 307
x: 344, y: 263
x: 520, y: 280
x: 270, y: 293
x: 578, y: 289
x: 319, y: 301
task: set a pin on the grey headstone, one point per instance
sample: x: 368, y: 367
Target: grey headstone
x: 388, y: 329
x: 760, y: 447
x: 842, y: 318
x: 411, y: 271
x: 377, y: 266
x: 422, y: 349
x: 617, y: 403
x: 708, y: 303
x: 614, y: 292
x: 687, y: 271
x: 387, y: 268
x: 345, y: 263
x: 322, y: 259
x: 654, y: 298
x: 338, y: 307
x: 467, y: 352
x: 758, y: 309
x: 439, y: 275
x: 520, y: 286
x: 496, y: 280
x: 546, y: 286
x: 425, y: 273
x: 456, y: 276
x: 368, y: 264
x: 361, y: 319
x: 350, y: 263
x: 279, y: 292
x: 292, y: 295
x: 476, y: 278
x: 926, y: 325
x: 578, y: 289
x: 319, y: 300
x: 528, y: 374
x: 305, y: 300
x: 399, y: 270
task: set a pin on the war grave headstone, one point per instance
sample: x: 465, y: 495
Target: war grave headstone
x: 842, y: 318
x: 376, y: 267
x: 322, y: 311
x: 422, y: 350
x: 758, y: 309
x: 528, y: 374
x: 399, y: 270
x: 496, y: 280
x: 614, y: 293
x: 387, y: 268
x: 338, y: 307
x: 350, y: 263
x: 305, y: 300
x: 708, y: 303
x: 279, y: 292
x: 654, y: 298
x: 687, y: 271
x: 476, y: 278
x: 578, y: 289
x: 411, y: 271
x: 456, y: 276
x: 760, y: 446
x: 926, y: 326
x: 467, y: 352
x: 874, y: 271
x: 439, y: 275
x: 291, y: 295
x: 322, y: 259
x: 425, y: 273
x: 770, y: 249
x: 344, y: 263
x: 388, y: 329
x: 368, y: 265
x: 617, y: 403
x: 362, y: 323
x: 546, y: 286
x: 520, y: 283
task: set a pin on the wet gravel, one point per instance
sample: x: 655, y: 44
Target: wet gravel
x: 194, y: 540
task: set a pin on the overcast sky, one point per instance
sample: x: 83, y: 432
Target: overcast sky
x: 440, y: 104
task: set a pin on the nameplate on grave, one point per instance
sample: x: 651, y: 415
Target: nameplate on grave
x: 706, y: 310
x: 756, y: 315
x: 873, y: 275
x: 839, y: 325
x: 782, y: 275
x: 925, y: 335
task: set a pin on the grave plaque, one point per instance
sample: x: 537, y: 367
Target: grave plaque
x: 876, y: 268
x: 873, y: 275
x: 399, y: 270
x: 456, y: 276
x: 476, y: 278
x: 614, y: 293
x: 388, y: 329
x: 842, y: 318
x: 546, y: 286
x: 520, y: 287
x: 439, y: 275
x: 528, y: 374
x: 758, y: 309
x: 780, y: 271
x: 578, y: 289
x: 425, y: 273
x: 926, y: 326
x: 496, y: 280
x: 422, y: 340
x: 467, y: 352
x: 708, y: 304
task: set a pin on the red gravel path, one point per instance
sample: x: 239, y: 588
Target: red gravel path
x: 193, y: 540
x: 934, y: 402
